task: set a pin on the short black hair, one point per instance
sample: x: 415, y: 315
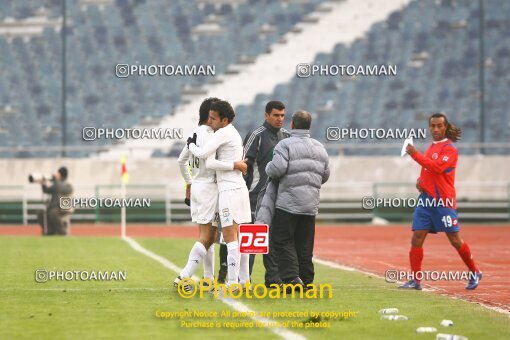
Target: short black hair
x: 302, y: 120
x: 63, y: 172
x: 224, y: 110
x: 204, y: 109
x: 274, y: 104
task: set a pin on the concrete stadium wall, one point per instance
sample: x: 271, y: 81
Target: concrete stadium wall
x: 352, y: 177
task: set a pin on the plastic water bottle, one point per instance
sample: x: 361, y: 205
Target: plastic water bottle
x: 447, y: 323
x: 388, y: 311
x: 394, y: 317
x: 426, y: 330
x: 442, y: 336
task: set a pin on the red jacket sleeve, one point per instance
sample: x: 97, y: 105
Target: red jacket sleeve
x: 447, y: 159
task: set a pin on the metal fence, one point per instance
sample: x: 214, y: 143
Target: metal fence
x: 491, y: 203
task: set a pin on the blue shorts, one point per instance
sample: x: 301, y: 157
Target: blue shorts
x: 435, y: 219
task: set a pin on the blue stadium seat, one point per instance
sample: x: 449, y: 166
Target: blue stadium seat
x: 160, y: 32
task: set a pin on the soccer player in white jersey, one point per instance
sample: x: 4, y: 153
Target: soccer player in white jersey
x: 233, y: 201
x: 201, y: 186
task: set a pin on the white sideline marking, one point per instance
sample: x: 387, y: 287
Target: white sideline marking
x: 352, y: 269
x: 236, y: 305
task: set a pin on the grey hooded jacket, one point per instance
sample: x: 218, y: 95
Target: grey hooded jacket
x: 266, y: 203
x: 301, y: 165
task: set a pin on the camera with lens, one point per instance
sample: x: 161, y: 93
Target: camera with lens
x: 39, y: 178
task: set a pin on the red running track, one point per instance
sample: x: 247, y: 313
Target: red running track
x: 373, y: 249
x: 377, y: 249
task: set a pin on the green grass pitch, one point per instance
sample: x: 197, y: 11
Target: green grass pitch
x: 126, y: 309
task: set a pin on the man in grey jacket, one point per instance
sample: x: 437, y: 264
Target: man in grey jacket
x: 300, y: 165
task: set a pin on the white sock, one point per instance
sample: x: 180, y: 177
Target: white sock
x: 209, y: 263
x: 233, y: 262
x: 195, y: 256
x: 244, y: 269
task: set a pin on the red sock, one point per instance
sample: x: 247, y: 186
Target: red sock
x: 465, y: 254
x: 415, y: 257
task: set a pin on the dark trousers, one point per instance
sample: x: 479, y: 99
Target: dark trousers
x: 52, y: 217
x: 270, y: 264
x: 293, y: 237
x: 222, y: 274
x: 269, y: 260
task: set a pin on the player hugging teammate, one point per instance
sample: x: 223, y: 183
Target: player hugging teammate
x: 208, y: 174
x: 216, y: 150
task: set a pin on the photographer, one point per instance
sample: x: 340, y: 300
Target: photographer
x: 52, y: 216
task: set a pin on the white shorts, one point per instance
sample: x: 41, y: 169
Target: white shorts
x: 234, y: 206
x: 204, y: 202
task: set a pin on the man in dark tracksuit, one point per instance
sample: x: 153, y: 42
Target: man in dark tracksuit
x: 258, y: 151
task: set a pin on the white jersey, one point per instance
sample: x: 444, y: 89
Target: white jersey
x: 227, y: 144
x: 199, y: 171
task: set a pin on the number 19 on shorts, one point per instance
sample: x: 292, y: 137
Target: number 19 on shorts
x: 254, y: 238
x: 448, y: 221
